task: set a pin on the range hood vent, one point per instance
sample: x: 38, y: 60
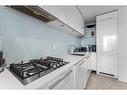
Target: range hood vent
x: 35, y: 11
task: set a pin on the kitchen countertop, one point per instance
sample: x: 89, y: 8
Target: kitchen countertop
x: 9, y: 81
x: 82, y: 52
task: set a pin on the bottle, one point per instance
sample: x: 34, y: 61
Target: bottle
x: 87, y: 48
x: 72, y: 47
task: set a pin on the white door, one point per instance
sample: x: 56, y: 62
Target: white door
x: 107, y: 43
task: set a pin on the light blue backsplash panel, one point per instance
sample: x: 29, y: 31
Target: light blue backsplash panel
x: 24, y: 37
x: 88, y: 41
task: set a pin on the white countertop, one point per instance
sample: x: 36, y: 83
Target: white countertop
x: 9, y: 81
x: 82, y: 53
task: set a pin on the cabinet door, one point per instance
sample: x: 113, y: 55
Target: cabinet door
x: 81, y: 77
x: 62, y: 81
x: 68, y: 81
x: 93, y: 63
x: 107, y: 43
x: 71, y: 16
x: 89, y: 62
x: 51, y: 9
x: 107, y: 63
x: 81, y: 74
x: 107, y: 33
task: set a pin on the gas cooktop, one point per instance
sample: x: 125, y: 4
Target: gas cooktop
x: 35, y: 68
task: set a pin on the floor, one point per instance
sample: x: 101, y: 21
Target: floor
x: 103, y: 82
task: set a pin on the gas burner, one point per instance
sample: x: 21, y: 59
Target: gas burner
x: 54, y: 58
x: 35, y: 68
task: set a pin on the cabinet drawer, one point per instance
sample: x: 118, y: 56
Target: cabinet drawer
x: 59, y: 81
x: 66, y: 82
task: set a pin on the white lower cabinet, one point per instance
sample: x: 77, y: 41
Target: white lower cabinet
x: 62, y: 81
x: 81, y: 77
x: 81, y: 74
x: 67, y: 82
x: 90, y: 62
x: 75, y: 77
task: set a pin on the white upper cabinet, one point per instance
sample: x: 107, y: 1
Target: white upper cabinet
x: 69, y: 15
x: 51, y: 9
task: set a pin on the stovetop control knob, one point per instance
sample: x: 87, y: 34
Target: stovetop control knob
x: 61, y: 63
x: 58, y: 64
x: 54, y: 66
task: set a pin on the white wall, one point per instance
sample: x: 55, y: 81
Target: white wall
x: 25, y: 37
x: 122, y: 38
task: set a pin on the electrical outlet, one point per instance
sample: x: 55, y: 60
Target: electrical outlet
x: 53, y: 46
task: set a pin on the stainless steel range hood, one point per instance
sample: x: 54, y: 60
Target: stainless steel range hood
x: 35, y: 11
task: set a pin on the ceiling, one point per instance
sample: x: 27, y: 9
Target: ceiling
x: 90, y: 12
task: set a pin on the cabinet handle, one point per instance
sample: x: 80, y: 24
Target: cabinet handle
x: 81, y: 63
x: 54, y: 84
x: 59, y: 80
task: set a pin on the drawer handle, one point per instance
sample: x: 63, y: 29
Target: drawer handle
x: 59, y: 80
x: 81, y: 63
x: 54, y: 84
